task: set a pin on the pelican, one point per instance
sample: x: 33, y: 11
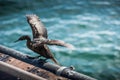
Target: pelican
x: 40, y: 39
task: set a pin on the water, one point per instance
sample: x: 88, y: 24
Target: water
x: 93, y: 27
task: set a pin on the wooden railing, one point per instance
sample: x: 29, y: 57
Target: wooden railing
x: 56, y: 69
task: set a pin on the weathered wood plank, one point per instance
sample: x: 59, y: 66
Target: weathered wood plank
x: 17, y: 72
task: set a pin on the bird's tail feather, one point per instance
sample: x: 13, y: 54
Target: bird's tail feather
x: 55, y: 61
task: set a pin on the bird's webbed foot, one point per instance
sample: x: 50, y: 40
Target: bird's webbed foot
x: 30, y: 57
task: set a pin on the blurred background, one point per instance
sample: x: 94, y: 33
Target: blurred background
x: 92, y: 26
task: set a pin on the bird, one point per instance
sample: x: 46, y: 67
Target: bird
x: 40, y: 39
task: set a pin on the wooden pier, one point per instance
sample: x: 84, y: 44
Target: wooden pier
x: 16, y: 66
x: 39, y: 74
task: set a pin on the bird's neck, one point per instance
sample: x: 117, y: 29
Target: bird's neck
x: 28, y: 43
x: 28, y: 39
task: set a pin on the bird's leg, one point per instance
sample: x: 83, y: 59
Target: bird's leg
x: 30, y: 57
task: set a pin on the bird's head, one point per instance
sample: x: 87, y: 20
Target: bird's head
x: 25, y: 37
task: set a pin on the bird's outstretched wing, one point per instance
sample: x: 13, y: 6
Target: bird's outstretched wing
x: 55, y: 42
x: 59, y: 43
x: 37, y: 26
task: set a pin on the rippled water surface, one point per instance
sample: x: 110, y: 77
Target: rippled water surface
x: 92, y: 26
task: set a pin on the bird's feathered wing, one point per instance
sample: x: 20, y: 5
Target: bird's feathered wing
x: 40, y: 33
x: 59, y: 43
x: 37, y: 26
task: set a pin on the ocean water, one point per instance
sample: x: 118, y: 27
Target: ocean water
x: 92, y: 26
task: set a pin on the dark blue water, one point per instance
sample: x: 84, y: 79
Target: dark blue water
x: 92, y: 26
